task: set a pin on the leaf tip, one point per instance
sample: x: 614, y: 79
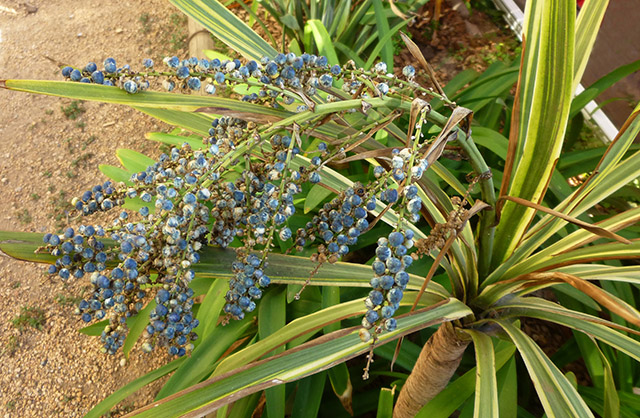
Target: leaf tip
x: 3, y: 84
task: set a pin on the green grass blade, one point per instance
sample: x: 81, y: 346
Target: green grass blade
x: 385, y: 403
x: 545, y: 83
x: 383, y: 43
x: 558, y: 396
x: 116, y: 174
x: 227, y: 27
x: 383, y: 28
x: 271, y: 318
x: 594, y: 90
x: 486, y: 401
x: 130, y: 388
x: 588, y: 324
x: 309, y: 396
x: 146, y: 99
x: 587, y: 28
x: 322, y: 40
x: 205, y: 356
x: 133, y: 161
x: 294, y: 364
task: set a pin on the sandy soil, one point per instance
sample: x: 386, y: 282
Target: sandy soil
x: 55, y: 371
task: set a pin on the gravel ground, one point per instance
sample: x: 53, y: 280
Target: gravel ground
x: 47, y: 159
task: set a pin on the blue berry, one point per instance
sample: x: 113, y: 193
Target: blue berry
x: 194, y: 83
x: 130, y: 87
x: 409, y: 71
x: 97, y: 77
x: 91, y: 67
x: 75, y: 75
x: 110, y: 65
x: 182, y: 72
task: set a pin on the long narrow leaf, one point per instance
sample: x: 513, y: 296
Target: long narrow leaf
x: 291, y: 365
x: 558, y: 396
x: 591, y: 325
x: 215, y: 263
x: 545, y: 83
x: 486, y: 401
x: 227, y: 27
x: 587, y: 27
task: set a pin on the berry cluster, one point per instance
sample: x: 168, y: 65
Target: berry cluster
x: 389, y: 282
x: 283, y: 80
x: 196, y: 197
x: 338, y: 224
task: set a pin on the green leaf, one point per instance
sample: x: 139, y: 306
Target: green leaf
x: 587, y: 28
x: 146, y: 99
x: 271, y: 318
x: 195, y: 122
x: 322, y: 39
x: 610, y: 175
x: 309, y: 396
x: 383, y: 28
x: 133, y: 161
x: 594, y: 90
x: 205, y: 356
x: 508, y: 389
x: 94, y: 330
x: 348, y: 52
x: 315, y: 196
x: 294, y: 364
x: 611, y: 399
x: 227, y: 27
x: 545, y: 83
x: 116, y: 174
x: 493, y: 83
x: 486, y: 402
x: 341, y: 384
x: 132, y: 387
x: 290, y: 22
x: 383, y: 43
x: 558, y: 396
x: 136, y: 328
x: 588, y: 324
x: 385, y: 403
x: 211, y: 307
x: 576, y: 239
x: 175, y: 140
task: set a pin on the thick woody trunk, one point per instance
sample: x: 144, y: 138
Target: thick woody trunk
x: 439, y: 359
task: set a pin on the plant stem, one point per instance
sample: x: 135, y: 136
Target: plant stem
x: 439, y: 359
x: 486, y: 227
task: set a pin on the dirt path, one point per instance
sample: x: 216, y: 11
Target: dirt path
x: 47, y: 158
